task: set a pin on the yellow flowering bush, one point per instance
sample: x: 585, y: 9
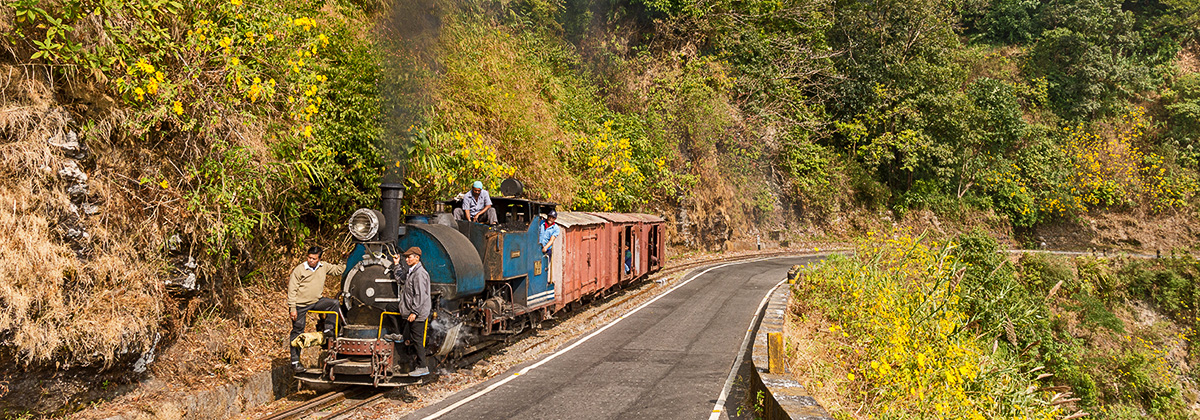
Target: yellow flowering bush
x: 227, y: 77
x: 189, y: 65
x: 899, y: 319
x: 1105, y: 167
x: 1167, y: 189
x: 1112, y: 170
x: 443, y: 164
x: 1012, y: 192
x: 605, y: 166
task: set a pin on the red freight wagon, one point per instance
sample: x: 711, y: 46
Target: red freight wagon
x: 625, y: 240
x: 581, y: 265
x: 651, y: 256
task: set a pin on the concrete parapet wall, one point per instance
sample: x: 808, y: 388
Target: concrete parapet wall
x: 782, y: 397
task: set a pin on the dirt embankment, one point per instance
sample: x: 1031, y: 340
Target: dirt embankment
x: 1126, y: 232
x: 101, y: 288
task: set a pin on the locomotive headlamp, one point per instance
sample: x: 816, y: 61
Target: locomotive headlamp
x: 365, y: 224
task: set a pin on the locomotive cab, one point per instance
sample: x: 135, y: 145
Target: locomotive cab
x: 518, y: 291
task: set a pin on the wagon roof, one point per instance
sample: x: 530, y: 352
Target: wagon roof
x: 617, y: 217
x: 575, y: 218
x: 647, y: 217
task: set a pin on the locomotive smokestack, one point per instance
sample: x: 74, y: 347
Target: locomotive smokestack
x: 390, y: 196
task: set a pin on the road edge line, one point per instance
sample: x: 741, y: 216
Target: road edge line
x: 500, y: 383
x: 719, y: 407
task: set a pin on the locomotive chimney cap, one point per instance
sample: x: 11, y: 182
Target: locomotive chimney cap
x: 413, y: 251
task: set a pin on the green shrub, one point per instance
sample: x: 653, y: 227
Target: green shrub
x: 1170, y: 286
x: 1094, y: 313
x: 1011, y: 22
x: 1041, y: 272
x: 1097, y: 276
x: 812, y: 170
x: 1149, y: 386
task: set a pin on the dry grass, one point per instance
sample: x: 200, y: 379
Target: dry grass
x: 813, y: 360
x: 25, y: 103
x: 79, y: 302
x: 217, y: 348
x: 100, y: 302
x: 1188, y: 59
x: 517, y: 120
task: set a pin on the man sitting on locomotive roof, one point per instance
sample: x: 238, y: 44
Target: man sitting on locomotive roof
x: 415, y: 304
x: 477, y: 206
x: 305, y: 285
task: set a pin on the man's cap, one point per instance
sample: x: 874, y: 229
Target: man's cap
x: 413, y: 251
x: 477, y: 184
x: 553, y: 214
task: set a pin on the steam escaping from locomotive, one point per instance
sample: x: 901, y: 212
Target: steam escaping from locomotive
x: 408, y: 35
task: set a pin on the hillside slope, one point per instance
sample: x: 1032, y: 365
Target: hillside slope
x: 167, y: 161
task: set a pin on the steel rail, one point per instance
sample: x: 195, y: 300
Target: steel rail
x: 307, y: 407
x: 354, y: 406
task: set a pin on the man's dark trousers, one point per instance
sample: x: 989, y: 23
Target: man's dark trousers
x: 322, y: 304
x: 415, y: 335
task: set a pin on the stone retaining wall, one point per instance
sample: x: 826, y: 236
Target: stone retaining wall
x: 225, y: 401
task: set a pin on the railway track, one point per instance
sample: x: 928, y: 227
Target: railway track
x: 345, y: 400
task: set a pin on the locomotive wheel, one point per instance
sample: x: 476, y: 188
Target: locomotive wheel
x: 518, y: 326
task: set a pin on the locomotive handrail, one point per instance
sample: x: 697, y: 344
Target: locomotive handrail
x: 379, y: 332
x: 337, y: 319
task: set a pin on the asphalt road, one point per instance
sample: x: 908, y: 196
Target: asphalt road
x: 670, y: 360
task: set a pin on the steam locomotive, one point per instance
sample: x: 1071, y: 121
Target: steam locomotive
x: 488, y: 282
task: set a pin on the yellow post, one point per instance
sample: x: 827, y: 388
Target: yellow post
x: 775, y: 352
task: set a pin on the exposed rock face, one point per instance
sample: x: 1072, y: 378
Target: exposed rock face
x: 698, y: 227
x: 68, y: 142
x: 75, y: 155
x: 183, y: 273
x: 58, y: 191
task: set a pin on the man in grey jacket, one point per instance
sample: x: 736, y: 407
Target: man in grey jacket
x: 414, y: 305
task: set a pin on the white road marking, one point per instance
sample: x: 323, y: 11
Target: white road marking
x: 720, y: 405
x: 584, y: 339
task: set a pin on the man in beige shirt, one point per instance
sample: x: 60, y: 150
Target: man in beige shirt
x: 304, y: 294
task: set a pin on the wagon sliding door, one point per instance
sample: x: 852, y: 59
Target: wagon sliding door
x: 557, y: 260
x: 591, y: 246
